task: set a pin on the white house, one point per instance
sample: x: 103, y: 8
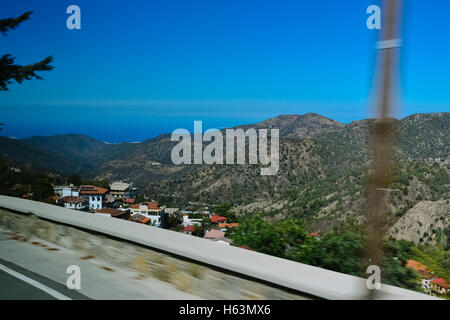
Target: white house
x: 66, y: 191
x: 70, y: 192
x: 190, y: 222
x: 95, y: 195
x: 76, y: 203
x: 152, y: 210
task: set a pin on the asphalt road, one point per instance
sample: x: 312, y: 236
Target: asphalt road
x: 17, y: 283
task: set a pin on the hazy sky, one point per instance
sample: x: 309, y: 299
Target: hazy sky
x: 140, y: 68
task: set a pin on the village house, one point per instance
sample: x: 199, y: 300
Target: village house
x: 115, y: 213
x: 95, y: 195
x: 439, y: 286
x: 76, y: 203
x: 122, y: 190
x: 425, y: 275
x: 217, y: 236
x: 430, y: 283
x: 189, y: 229
x: 66, y: 191
x: 225, y: 226
x: 217, y: 219
x: 140, y: 219
x: 151, y: 210
x: 190, y: 222
x: 214, y: 234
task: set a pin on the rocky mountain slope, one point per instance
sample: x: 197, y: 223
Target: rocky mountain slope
x: 425, y: 222
x: 323, y: 167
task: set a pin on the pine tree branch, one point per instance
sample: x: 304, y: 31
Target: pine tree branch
x: 10, y: 71
x: 12, y: 23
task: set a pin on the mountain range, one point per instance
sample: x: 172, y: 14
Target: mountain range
x: 323, y: 167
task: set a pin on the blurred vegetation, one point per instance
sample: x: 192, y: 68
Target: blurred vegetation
x: 341, y: 249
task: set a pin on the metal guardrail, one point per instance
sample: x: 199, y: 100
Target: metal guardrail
x: 295, y: 276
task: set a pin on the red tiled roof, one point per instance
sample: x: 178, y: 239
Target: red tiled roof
x: 72, y: 199
x: 144, y: 220
x: 189, y: 228
x: 128, y: 200
x: 228, y: 225
x: 137, y: 217
x: 113, y: 212
x: 314, y: 234
x: 440, y: 282
x: 217, y: 219
x: 150, y: 205
x: 214, y: 234
x: 88, y: 189
x: 153, y: 205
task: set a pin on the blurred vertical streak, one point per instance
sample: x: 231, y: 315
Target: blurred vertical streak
x: 382, y: 135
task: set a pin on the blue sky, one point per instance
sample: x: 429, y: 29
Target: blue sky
x: 140, y: 68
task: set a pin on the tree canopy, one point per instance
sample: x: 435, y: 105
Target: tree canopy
x: 10, y: 71
x: 341, y: 249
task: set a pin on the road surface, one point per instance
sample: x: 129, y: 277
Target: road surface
x: 17, y: 283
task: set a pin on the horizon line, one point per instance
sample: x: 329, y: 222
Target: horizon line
x: 167, y: 133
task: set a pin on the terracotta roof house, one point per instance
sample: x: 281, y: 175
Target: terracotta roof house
x: 216, y: 219
x: 189, y: 229
x: 214, y: 234
x: 145, y: 220
x: 439, y: 286
x: 96, y: 196
x: 152, y: 210
x: 88, y: 189
x: 441, y: 282
x: 73, y: 199
x: 228, y: 225
x: 111, y: 212
x: 77, y: 203
x: 149, y: 205
x: 139, y: 218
